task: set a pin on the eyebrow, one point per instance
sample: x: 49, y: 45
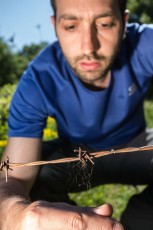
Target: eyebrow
x: 67, y: 17
x: 73, y: 17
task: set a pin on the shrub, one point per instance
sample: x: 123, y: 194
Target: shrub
x: 6, y: 93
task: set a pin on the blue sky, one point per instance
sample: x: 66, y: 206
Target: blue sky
x: 20, y: 18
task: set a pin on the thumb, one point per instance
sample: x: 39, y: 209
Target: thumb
x: 103, y: 210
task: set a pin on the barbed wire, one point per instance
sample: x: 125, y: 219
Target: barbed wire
x: 83, y: 156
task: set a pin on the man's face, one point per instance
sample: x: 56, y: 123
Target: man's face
x: 90, y: 33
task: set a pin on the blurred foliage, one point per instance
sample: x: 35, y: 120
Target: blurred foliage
x: 12, y: 64
x: 8, y: 66
x: 148, y: 112
x: 6, y: 93
x: 141, y: 11
x: 50, y: 131
x: 115, y: 194
x: 29, y: 52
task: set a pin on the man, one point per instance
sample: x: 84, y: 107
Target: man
x: 93, y: 82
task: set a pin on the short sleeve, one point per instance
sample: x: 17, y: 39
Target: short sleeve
x: 28, y: 112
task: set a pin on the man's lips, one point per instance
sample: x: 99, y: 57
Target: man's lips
x: 89, y: 65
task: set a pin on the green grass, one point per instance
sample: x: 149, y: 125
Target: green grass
x: 1, y: 150
x: 148, y: 111
x: 116, y: 195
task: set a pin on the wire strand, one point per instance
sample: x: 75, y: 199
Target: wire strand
x: 82, y: 156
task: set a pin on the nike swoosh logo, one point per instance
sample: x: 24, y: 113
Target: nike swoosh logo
x: 132, y: 89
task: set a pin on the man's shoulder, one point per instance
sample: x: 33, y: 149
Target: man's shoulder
x: 138, y: 50
x: 139, y: 33
x: 134, y: 28
x: 48, y: 67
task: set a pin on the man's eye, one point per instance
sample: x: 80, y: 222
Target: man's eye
x: 70, y: 28
x: 105, y: 25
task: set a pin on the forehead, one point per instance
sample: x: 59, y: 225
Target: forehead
x: 90, y: 7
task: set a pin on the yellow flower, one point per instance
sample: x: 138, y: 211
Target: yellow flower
x: 48, y: 133
x: 3, y: 143
x: 50, y: 120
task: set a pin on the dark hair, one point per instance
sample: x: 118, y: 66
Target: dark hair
x: 122, y: 5
x: 53, y: 5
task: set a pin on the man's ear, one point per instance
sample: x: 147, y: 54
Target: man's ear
x: 53, y: 20
x: 126, y: 16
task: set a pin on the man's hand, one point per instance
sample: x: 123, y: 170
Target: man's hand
x: 16, y: 212
x: 42, y: 215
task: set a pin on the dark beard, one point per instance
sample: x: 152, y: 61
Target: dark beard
x: 82, y: 75
x: 100, y: 74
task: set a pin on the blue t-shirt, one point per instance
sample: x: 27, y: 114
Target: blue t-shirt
x: 100, y: 119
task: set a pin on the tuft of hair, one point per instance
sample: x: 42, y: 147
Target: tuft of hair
x: 53, y: 5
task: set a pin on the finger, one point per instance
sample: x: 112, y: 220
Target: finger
x: 104, y: 210
x: 72, y: 219
x: 44, y: 215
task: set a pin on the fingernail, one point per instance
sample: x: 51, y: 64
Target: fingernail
x: 118, y: 226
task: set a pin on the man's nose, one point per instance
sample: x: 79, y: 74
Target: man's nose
x: 90, y: 42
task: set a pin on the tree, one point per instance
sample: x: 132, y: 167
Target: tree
x: 141, y: 10
x: 6, y: 93
x: 13, y: 64
x: 31, y: 51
